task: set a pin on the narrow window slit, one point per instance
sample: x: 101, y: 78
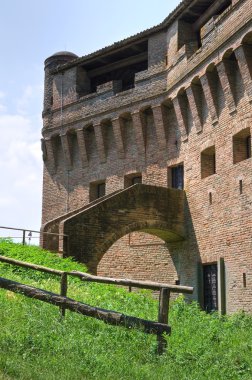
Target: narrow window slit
x: 244, y: 280
x: 241, y: 186
x: 210, y: 198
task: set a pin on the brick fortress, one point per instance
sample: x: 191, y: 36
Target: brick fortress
x: 147, y: 154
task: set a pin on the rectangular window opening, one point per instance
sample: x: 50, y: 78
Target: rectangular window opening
x: 132, y: 179
x: 210, y: 285
x: 176, y: 177
x: 97, y: 190
x: 210, y: 198
x: 244, y: 280
x: 241, y: 186
x: 242, y: 146
x: 208, y: 162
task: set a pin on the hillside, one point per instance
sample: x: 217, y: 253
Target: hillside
x: 36, y: 345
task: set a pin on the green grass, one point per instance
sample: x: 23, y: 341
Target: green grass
x: 36, y: 345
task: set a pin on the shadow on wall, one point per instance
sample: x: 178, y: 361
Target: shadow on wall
x: 99, y: 236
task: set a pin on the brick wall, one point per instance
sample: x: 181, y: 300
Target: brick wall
x: 175, y: 114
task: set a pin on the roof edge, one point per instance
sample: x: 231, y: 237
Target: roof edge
x: 119, y: 44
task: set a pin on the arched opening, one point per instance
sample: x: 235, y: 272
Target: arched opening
x: 200, y: 100
x: 234, y: 75
x: 142, y: 256
x: 171, y: 128
x: 215, y: 88
x: 128, y: 138
x: 74, y: 148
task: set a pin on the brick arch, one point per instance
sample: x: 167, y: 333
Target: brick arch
x: 155, y: 210
x: 159, y: 229
x: 210, y: 67
x: 181, y: 91
x: 242, y: 123
x: 141, y: 256
x: 246, y: 38
x: 227, y: 53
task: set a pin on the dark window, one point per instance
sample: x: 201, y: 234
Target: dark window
x: 248, y: 143
x: 210, y: 287
x: 208, y: 162
x: 132, y: 179
x: 100, y: 190
x: 177, y: 177
x: 241, y: 146
x: 136, y: 180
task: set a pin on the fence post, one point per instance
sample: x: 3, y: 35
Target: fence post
x: 24, y: 231
x: 63, y: 292
x: 164, y: 299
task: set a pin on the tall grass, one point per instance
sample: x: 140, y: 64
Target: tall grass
x: 36, y: 345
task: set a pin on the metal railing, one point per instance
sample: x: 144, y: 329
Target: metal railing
x: 27, y: 234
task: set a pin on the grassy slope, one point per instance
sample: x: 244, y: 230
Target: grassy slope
x: 34, y: 344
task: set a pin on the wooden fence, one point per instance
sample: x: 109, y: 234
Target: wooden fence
x: 160, y: 328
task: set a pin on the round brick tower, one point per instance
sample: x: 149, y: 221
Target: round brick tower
x: 57, y: 59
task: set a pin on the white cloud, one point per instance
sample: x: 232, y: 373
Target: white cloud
x: 31, y: 95
x: 3, y: 108
x: 21, y: 163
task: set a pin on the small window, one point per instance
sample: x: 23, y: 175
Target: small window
x: 176, y: 177
x: 97, y: 190
x: 210, y: 283
x: 100, y: 190
x: 208, y: 162
x: 137, y: 179
x: 241, y: 146
x: 132, y: 179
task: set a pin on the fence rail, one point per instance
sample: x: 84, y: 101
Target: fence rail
x: 27, y: 233
x: 109, y: 316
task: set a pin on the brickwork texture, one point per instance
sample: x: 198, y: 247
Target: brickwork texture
x: 180, y: 96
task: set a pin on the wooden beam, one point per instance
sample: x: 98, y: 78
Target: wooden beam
x: 210, y: 12
x: 118, y: 65
x: 133, y: 283
x: 23, y: 264
x: 108, y: 316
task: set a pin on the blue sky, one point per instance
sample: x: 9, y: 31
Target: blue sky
x: 32, y: 30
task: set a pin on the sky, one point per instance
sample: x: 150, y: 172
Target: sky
x: 31, y: 31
